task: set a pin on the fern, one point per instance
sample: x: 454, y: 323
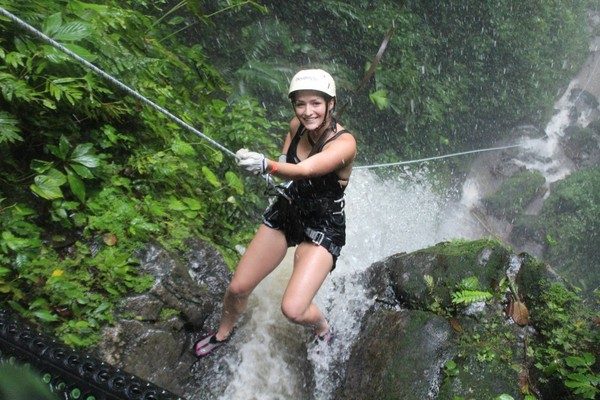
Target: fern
x: 469, y: 292
x: 9, y: 129
x: 470, y: 296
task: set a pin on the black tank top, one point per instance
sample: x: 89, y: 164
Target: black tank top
x: 327, y: 185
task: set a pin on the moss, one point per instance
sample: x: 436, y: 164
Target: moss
x: 527, y: 228
x: 515, y: 194
x: 571, y: 218
x: 448, y: 264
x: 461, y: 247
x: 582, y: 138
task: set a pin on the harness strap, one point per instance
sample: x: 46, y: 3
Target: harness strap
x: 319, y: 238
x: 321, y: 143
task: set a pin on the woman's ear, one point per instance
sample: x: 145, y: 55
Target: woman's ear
x: 331, y: 103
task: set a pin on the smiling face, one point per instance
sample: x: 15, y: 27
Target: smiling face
x: 311, y: 108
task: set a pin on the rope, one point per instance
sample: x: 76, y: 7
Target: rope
x: 113, y: 80
x: 434, y: 158
x: 184, y: 124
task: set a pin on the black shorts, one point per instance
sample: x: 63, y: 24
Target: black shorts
x: 319, y: 221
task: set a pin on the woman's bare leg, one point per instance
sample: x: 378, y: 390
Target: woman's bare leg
x: 312, y: 263
x: 264, y: 253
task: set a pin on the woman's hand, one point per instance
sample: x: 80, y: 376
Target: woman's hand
x: 251, y: 161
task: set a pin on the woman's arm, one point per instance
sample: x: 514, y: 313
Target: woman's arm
x: 294, y: 124
x: 337, y: 154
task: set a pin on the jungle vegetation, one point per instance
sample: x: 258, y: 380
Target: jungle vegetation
x: 88, y: 175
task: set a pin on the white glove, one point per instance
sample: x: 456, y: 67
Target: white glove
x: 253, y: 162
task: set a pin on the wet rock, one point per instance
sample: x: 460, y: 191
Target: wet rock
x: 582, y: 145
x: 439, y: 349
x: 399, y: 355
x: 154, y: 334
x: 585, y: 105
x: 446, y: 264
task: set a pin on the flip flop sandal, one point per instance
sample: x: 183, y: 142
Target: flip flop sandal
x: 207, y: 344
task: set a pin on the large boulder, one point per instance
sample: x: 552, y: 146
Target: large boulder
x: 153, y: 335
x: 452, y: 321
x: 426, y: 278
x: 399, y: 355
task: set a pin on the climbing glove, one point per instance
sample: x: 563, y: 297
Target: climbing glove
x: 251, y: 161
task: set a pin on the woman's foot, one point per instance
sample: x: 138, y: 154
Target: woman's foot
x: 326, y: 337
x: 207, y: 344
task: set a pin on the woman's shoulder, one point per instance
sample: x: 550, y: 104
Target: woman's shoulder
x: 344, y: 133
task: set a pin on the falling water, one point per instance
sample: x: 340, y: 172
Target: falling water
x: 400, y: 211
x: 386, y: 215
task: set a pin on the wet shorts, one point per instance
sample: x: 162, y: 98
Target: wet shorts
x: 322, y: 222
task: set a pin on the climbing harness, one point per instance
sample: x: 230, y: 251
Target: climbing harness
x: 113, y: 80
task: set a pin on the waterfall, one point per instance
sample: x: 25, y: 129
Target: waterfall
x: 386, y: 215
x: 399, y: 210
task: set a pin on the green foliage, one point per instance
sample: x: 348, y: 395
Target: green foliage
x: 454, y: 74
x: 468, y: 292
x: 583, y: 380
x: 569, y: 338
x: 570, y: 218
x: 98, y: 175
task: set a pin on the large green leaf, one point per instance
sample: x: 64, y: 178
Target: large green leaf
x: 182, y: 148
x: 82, y: 171
x: 15, y: 243
x: 72, y: 31
x: 45, y: 316
x: 176, y: 205
x: 48, y: 186
x: 81, y: 52
x: 84, y: 156
x: 380, y: 99
x: 76, y: 184
x: 52, y: 23
x: 235, y: 182
x: 192, y: 203
x: 211, y: 177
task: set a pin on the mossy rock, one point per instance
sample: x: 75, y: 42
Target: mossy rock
x: 477, y: 380
x: 447, y: 264
x: 488, y: 360
x: 515, y: 194
x: 397, y: 356
x: 571, y: 219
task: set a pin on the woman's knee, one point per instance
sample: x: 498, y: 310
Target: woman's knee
x: 293, y: 311
x: 239, y: 290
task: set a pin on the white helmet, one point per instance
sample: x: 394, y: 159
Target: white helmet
x: 313, y: 79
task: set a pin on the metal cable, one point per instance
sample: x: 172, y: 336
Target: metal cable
x: 113, y: 80
x: 433, y: 158
x: 179, y: 121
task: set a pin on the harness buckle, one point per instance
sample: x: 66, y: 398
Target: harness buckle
x: 317, y: 237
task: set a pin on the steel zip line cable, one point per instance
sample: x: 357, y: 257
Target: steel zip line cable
x: 434, y: 158
x: 113, y: 80
x: 184, y: 124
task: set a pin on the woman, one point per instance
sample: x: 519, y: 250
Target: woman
x: 317, y: 158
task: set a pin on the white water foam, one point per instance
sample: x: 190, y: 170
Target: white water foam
x: 385, y: 216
